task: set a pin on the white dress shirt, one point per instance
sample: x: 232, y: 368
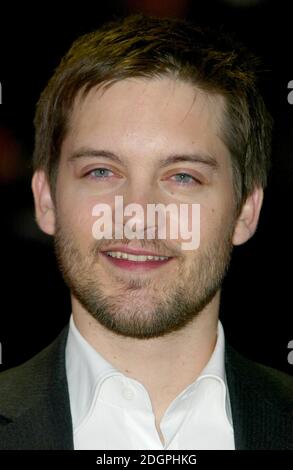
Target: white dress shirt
x: 112, y: 411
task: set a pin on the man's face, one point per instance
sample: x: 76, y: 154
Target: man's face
x: 143, y: 123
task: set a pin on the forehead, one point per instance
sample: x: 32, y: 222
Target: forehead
x: 152, y: 115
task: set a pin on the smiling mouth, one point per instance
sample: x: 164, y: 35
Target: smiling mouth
x: 133, y: 262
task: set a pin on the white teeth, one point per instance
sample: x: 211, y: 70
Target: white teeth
x: 120, y: 255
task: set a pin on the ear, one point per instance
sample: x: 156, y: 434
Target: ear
x: 247, y: 221
x: 44, y: 206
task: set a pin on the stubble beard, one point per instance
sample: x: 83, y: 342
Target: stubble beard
x: 143, y: 307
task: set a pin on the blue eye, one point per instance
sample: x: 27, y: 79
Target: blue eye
x: 185, y: 178
x: 100, y: 173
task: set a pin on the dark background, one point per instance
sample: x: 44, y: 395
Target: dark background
x: 256, y: 300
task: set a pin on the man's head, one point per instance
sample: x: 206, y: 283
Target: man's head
x: 147, y: 100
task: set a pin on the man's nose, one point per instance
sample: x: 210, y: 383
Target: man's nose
x: 141, y: 192
x: 136, y: 201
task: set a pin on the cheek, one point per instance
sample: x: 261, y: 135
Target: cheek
x: 75, y: 217
x: 215, y: 222
x: 83, y: 215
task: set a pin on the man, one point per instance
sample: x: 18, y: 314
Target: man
x: 156, y: 112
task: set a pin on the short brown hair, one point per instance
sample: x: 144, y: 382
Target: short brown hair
x: 142, y: 46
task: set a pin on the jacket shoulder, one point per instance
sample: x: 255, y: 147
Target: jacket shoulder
x: 21, y: 386
x: 261, y: 402
x: 275, y: 386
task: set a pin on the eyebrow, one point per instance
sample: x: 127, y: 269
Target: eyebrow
x: 194, y: 158
x: 88, y: 152
x: 163, y: 162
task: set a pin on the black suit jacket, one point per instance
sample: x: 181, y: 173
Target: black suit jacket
x: 35, y: 408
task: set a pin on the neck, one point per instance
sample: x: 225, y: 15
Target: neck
x: 153, y: 362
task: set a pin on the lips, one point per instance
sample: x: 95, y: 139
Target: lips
x: 137, y: 262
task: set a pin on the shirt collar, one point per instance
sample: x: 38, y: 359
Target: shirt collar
x: 216, y: 365
x: 86, y: 369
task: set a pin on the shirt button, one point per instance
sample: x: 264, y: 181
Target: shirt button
x: 128, y: 393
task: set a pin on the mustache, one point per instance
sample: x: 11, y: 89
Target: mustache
x: 158, y: 246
